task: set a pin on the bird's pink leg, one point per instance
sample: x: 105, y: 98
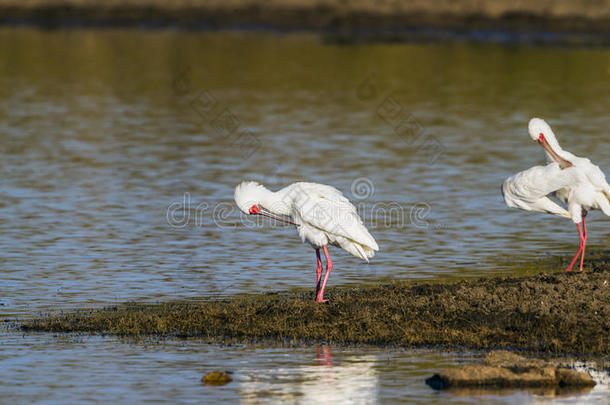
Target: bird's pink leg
x: 584, y: 242
x: 329, y: 267
x: 318, y: 271
x: 580, y: 248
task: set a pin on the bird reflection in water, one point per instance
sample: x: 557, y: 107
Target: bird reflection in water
x: 345, y: 379
x: 324, y: 356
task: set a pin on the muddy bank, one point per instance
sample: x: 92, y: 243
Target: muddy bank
x: 502, y: 369
x: 552, y: 313
x: 564, y: 21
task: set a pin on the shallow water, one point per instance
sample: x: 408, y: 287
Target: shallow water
x: 111, y: 370
x: 120, y: 151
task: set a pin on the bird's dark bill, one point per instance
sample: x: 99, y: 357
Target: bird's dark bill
x: 269, y: 215
x: 561, y: 161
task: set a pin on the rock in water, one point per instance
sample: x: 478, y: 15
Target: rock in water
x: 216, y: 378
x: 502, y: 369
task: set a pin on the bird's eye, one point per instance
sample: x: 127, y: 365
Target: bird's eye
x: 254, y: 210
x: 541, y: 137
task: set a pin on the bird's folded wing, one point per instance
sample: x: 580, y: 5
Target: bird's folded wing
x: 596, y: 176
x: 328, y: 210
x: 530, y: 188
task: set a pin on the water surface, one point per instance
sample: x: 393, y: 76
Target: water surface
x: 120, y: 151
x: 41, y: 368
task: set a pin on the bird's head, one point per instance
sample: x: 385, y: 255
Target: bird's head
x: 539, y: 130
x: 253, y: 198
x: 248, y: 196
x: 542, y: 133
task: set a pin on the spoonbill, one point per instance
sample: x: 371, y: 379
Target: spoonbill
x: 573, y: 180
x: 322, y: 215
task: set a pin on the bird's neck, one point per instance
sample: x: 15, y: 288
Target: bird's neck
x: 554, y: 144
x: 278, y: 202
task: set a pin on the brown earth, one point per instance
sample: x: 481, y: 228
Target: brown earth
x: 502, y: 369
x: 552, y: 313
x: 576, y: 20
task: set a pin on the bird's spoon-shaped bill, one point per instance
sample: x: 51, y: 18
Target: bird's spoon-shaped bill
x: 256, y: 210
x: 561, y: 161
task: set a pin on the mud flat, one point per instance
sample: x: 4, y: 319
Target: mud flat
x: 562, y: 21
x: 502, y: 369
x: 553, y: 313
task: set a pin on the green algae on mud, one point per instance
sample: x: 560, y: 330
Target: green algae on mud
x: 557, y: 313
x: 560, y: 313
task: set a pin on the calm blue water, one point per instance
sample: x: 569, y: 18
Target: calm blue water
x: 50, y: 369
x: 120, y: 151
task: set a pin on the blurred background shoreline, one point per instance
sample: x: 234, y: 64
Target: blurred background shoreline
x: 565, y: 22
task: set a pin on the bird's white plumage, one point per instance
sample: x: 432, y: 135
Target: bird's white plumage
x: 322, y: 214
x: 529, y: 190
x: 574, y: 180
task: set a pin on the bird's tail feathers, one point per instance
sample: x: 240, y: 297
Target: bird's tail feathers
x: 604, y: 203
x: 606, y: 193
x: 360, y: 251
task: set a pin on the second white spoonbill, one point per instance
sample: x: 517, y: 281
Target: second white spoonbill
x: 322, y: 215
x: 573, y: 180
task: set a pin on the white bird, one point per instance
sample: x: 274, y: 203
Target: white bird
x: 322, y: 215
x: 573, y: 180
